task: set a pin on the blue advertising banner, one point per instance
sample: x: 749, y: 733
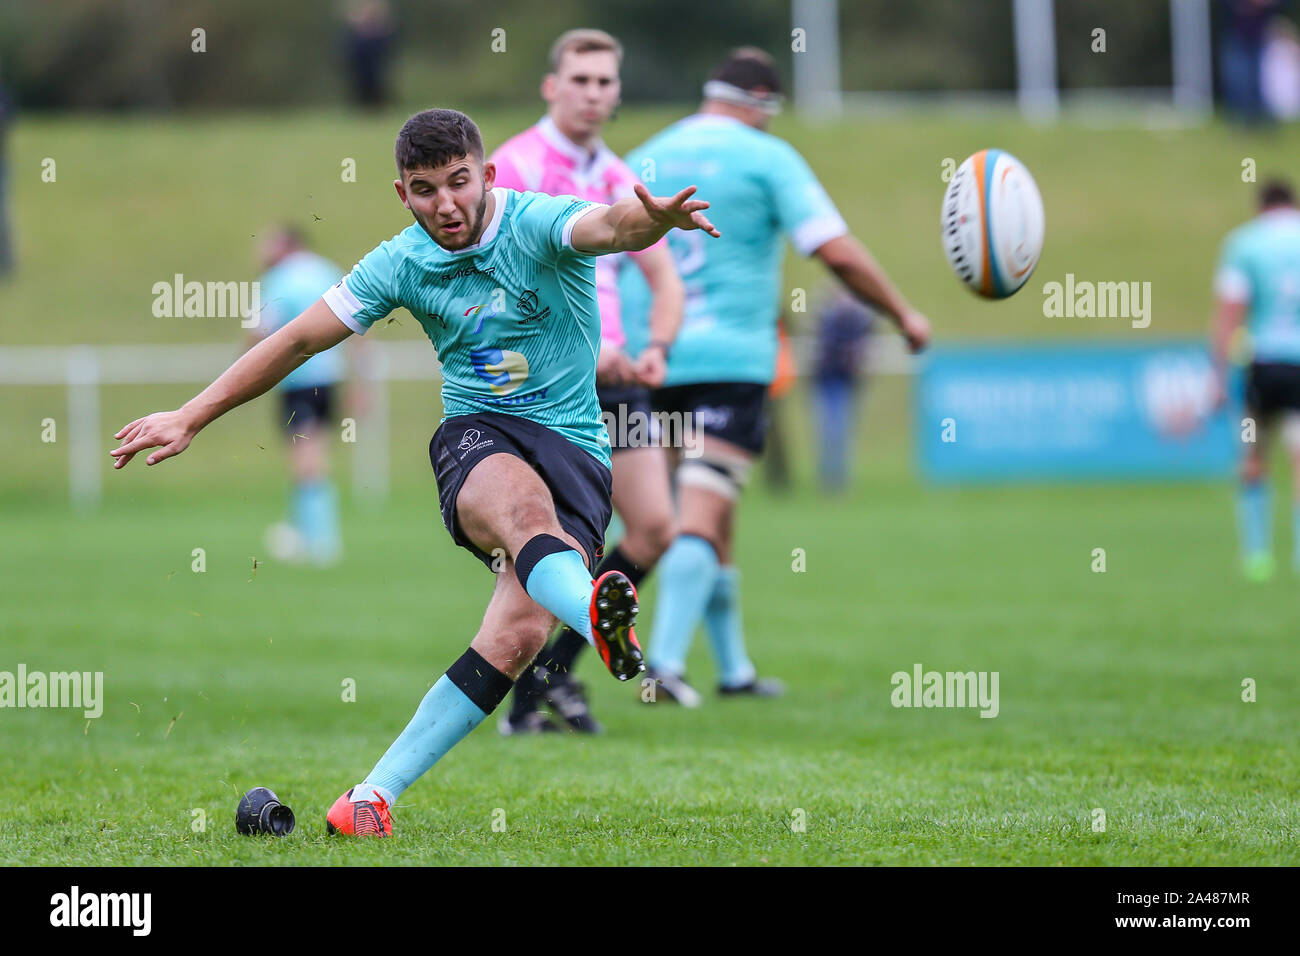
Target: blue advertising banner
x: 1074, y: 411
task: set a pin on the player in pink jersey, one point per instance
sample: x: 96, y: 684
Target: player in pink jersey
x: 563, y: 155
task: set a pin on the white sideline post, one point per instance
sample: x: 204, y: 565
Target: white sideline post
x: 817, y: 70
x: 1035, y: 26
x: 1189, y: 25
x: 85, y: 477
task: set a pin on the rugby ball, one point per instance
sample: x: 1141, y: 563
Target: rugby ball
x: 992, y: 221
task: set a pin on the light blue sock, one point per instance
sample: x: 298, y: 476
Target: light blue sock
x: 726, y: 635
x: 1255, y: 517
x: 316, y: 516
x: 561, y: 583
x: 687, y: 572
x: 443, y: 719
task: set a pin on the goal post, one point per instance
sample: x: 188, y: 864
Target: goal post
x: 818, y: 81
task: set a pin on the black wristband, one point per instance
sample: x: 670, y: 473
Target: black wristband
x: 661, y: 345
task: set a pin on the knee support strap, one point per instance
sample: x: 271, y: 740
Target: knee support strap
x: 721, y: 472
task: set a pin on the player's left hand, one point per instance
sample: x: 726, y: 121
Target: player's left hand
x: 651, y: 367
x: 679, y: 212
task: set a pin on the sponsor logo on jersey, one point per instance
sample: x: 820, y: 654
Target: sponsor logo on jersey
x: 502, y: 369
x: 443, y: 278
x: 483, y: 316
x: 519, y: 398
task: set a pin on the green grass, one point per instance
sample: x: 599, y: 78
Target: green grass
x: 139, y: 200
x: 1119, y: 691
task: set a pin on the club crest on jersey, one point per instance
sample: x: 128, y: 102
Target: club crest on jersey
x: 526, y: 305
x: 503, y: 370
x: 471, y: 436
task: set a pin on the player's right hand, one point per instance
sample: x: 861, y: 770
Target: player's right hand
x: 613, y: 367
x: 169, y: 432
x: 916, y: 329
x: 650, y: 368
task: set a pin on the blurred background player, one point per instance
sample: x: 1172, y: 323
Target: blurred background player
x: 725, y: 356
x: 562, y: 154
x: 843, y: 328
x: 1258, y: 284
x: 295, y: 277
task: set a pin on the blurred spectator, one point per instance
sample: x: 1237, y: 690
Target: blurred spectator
x: 1280, y: 76
x: 369, y: 39
x: 842, y: 332
x: 6, y: 240
x: 1241, y: 55
x: 776, y: 456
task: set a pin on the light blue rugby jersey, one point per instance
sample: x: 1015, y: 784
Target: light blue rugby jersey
x: 759, y: 188
x: 1260, y: 266
x: 286, y: 290
x: 514, y: 317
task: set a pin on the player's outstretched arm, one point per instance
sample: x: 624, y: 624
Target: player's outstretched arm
x: 257, y: 370
x: 856, y: 268
x: 630, y: 225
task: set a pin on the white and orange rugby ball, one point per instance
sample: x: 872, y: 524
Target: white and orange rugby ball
x: 992, y: 223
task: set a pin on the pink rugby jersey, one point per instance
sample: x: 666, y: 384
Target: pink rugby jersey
x: 541, y: 159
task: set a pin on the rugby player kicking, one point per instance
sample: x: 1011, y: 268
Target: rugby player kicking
x: 503, y: 283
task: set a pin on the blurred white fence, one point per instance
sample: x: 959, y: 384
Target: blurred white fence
x: 85, y: 369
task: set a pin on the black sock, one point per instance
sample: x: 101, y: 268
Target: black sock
x: 564, y: 650
x: 478, y: 680
x: 526, y: 690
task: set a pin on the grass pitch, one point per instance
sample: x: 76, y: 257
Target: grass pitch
x: 1118, y: 690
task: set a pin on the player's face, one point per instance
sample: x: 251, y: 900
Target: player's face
x: 583, y: 92
x: 449, y: 202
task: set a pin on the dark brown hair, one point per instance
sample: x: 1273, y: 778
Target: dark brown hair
x: 1275, y: 192
x: 748, y: 68
x: 433, y: 138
